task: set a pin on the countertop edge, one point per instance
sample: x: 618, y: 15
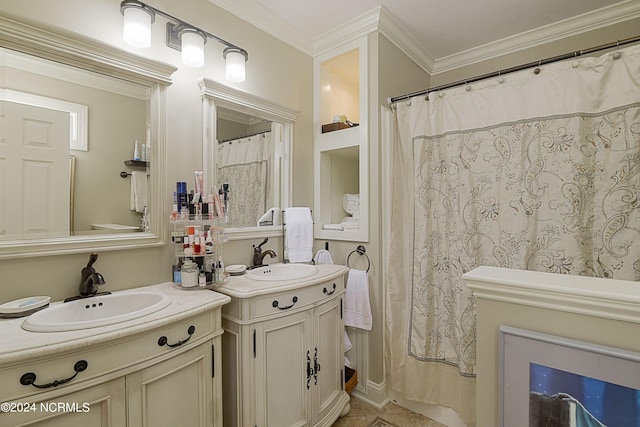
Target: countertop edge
x: 191, y: 303
x: 234, y: 286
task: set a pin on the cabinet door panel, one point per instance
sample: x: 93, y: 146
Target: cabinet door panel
x: 100, y: 406
x: 282, y: 356
x: 328, y: 334
x: 176, y: 392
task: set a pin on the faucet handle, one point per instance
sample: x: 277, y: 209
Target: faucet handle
x: 258, y: 249
x: 92, y: 259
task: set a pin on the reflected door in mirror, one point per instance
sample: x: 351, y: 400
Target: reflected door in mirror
x: 34, y: 166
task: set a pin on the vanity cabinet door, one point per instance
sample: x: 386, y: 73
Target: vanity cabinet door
x: 176, y: 392
x: 282, y: 358
x: 101, y: 405
x: 328, y: 358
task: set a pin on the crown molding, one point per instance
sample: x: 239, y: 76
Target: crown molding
x: 261, y: 17
x: 380, y: 20
x: 348, y: 32
x: 392, y: 30
x: 586, y: 22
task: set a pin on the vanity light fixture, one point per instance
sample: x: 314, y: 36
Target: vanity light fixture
x: 235, y: 59
x: 181, y: 36
x: 137, y: 23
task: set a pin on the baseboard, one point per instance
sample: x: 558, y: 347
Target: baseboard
x: 375, y: 395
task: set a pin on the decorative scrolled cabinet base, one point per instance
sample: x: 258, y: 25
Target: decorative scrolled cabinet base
x: 284, y: 362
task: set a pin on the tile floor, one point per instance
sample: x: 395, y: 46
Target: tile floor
x: 362, y: 414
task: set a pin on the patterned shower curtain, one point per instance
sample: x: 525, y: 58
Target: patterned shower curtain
x: 245, y: 164
x: 529, y: 171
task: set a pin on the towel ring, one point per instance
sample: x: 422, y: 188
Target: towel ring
x: 360, y: 250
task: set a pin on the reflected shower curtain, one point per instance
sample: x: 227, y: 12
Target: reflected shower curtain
x: 245, y: 165
x: 528, y: 171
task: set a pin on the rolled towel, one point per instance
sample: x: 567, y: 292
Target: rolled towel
x: 336, y: 227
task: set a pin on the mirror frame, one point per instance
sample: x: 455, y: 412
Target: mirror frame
x: 82, y: 52
x: 216, y: 95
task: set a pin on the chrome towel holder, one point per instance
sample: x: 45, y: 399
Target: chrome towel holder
x: 362, y: 251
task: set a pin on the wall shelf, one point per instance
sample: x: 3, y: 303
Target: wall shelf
x: 136, y: 163
x: 341, y: 149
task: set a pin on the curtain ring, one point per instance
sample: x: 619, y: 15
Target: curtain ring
x: 537, y: 69
x: 617, y: 54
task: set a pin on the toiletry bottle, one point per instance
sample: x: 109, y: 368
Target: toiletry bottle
x: 136, y: 151
x: 189, y: 274
x: 143, y: 155
x: 197, y: 247
x: 202, y: 279
x: 209, y: 243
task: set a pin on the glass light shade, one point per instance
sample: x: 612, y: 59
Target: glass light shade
x: 192, y: 48
x: 235, y: 66
x: 137, y: 27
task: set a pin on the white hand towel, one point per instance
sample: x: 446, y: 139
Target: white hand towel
x: 299, y: 230
x: 347, y: 342
x: 138, y: 197
x: 357, y: 308
x: 323, y: 257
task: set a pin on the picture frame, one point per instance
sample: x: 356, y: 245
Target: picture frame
x: 548, y: 380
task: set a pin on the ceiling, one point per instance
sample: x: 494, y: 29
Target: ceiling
x: 438, y: 34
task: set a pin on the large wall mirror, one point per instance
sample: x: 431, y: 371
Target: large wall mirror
x: 247, y: 141
x: 71, y: 111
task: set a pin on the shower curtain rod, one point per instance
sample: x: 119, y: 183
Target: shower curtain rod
x: 244, y: 136
x: 521, y: 67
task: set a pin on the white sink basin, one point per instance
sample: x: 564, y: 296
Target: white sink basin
x: 278, y: 272
x: 96, y: 311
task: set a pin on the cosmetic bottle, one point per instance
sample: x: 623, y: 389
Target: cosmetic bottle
x: 208, y: 243
x: 136, y: 151
x: 197, y: 246
x: 174, y: 208
x: 143, y: 150
x: 189, y: 274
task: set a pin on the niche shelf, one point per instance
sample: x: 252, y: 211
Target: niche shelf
x: 340, y: 150
x: 136, y: 163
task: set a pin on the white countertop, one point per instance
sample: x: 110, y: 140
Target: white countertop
x: 243, y: 287
x: 16, y: 344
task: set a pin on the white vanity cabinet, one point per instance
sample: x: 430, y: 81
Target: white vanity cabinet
x: 283, y: 351
x: 160, y: 370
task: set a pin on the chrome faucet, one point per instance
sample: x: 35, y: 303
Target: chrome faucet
x: 90, y: 279
x: 258, y: 254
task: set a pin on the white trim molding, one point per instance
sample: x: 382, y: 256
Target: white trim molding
x: 604, y: 298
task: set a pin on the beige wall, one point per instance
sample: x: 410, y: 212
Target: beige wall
x: 275, y: 71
